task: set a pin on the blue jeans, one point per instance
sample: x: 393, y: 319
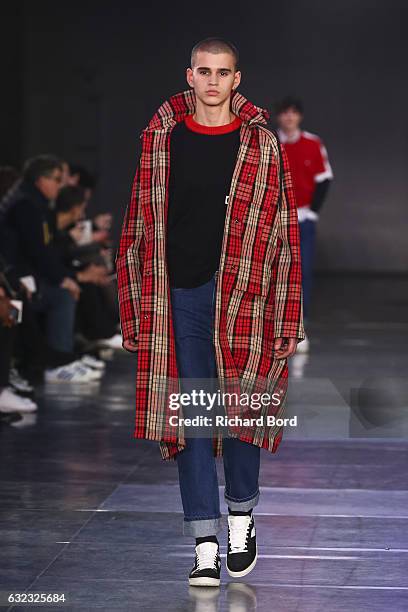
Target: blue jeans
x: 307, y: 248
x: 59, y: 307
x: 193, y: 321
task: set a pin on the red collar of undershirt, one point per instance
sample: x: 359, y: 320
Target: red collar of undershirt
x: 212, y: 130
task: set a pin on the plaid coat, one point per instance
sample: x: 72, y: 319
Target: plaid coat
x: 258, y: 296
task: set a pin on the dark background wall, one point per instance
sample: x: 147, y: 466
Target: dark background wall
x: 83, y: 79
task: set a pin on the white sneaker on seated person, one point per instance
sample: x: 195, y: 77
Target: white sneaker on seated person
x: 10, y: 401
x: 74, y: 372
x: 92, y: 362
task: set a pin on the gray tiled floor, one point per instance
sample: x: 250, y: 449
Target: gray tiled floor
x: 88, y: 511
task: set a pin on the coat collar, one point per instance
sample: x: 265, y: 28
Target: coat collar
x: 181, y: 104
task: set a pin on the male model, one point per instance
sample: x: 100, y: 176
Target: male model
x: 209, y: 282
x: 311, y: 176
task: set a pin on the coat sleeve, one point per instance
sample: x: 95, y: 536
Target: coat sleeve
x: 287, y: 273
x: 128, y: 261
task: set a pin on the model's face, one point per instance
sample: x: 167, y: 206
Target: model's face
x: 290, y: 119
x: 213, y: 77
x: 51, y: 184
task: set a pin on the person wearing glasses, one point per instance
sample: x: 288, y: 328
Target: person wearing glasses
x: 28, y: 247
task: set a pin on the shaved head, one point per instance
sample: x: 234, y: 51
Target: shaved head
x: 215, y: 45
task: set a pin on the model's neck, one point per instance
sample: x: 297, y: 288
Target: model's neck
x: 213, y: 115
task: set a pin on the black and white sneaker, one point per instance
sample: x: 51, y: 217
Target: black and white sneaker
x: 242, y: 547
x: 20, y: 384
x: 207, y: 566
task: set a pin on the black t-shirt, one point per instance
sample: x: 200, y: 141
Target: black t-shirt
x: 202, y: 161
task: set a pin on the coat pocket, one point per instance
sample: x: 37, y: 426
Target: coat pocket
x: 253, y: 281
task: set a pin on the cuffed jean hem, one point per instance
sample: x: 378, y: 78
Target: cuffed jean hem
x: 242, y: 506
x: 203, y: 527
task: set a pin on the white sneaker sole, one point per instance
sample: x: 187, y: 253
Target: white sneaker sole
x: 204, y: 581
x: 60, y: 381
x: 245, y: 571
x: 97, y: 368
x: 22, y: 410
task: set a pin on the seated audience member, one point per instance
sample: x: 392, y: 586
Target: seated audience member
x: 95, y: 318
x: 81, y: 177
x: 31, y: 252
x: 17, y: 290
x: 9, y: 178
x: 102, y: 222
x: 101, y: 228
x: 10, y: 400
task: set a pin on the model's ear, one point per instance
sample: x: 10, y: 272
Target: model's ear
x: 189, y: 76
x: 237, y: 80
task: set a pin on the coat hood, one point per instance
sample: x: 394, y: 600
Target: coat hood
x: 181, y: 104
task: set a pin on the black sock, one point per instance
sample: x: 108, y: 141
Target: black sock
x: 211, y: 538
x: 239, y: 513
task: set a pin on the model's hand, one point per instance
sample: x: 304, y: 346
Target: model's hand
x: 130, y: 345
x: 285, y: 347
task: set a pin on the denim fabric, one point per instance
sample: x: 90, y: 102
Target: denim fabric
x: 307, y: 248
x: 59, y: 308
x: 193, y: 322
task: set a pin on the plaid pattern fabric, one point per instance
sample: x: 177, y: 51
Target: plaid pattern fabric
x: 258, y: 296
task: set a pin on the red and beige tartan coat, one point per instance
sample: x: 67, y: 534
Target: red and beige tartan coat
x: 258, y: 295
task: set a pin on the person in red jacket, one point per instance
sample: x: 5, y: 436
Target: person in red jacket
x: 311, y: 176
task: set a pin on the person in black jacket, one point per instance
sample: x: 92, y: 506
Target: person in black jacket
x: 10, y: 400
x: 29, y: 247
x: 94, y: 319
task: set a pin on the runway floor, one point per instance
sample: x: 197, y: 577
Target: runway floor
x: 89, y: 512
